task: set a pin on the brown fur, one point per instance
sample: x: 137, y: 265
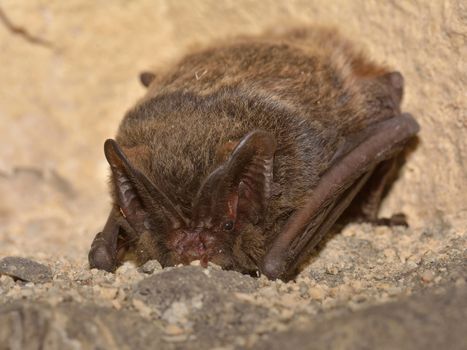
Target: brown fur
x: 309, y: 88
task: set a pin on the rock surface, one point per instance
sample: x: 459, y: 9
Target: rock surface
x: 73, y: 326
x: 435, y: 320
x: 171, y: 310
x: 25, y: 269
x: 354, y: 293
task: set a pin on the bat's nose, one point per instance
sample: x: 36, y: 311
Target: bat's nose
x: 194, y: 246
x: 194, y: 250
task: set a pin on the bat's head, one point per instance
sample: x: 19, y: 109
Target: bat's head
x: 222, y: 226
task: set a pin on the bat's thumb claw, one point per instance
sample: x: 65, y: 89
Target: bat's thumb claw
x: 272, y: 268
x: 100, y: 258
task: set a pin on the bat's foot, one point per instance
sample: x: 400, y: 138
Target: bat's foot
x: 398, y: 219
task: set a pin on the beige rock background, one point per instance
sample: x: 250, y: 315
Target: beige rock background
x: 59, y: 103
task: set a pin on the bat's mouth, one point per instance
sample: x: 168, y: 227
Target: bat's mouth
x: 193, y: 244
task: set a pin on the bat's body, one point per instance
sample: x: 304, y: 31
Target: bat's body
x: 236, y: 149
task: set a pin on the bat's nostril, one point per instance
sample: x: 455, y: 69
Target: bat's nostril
x: 192, y: 248
x: 195, y: 244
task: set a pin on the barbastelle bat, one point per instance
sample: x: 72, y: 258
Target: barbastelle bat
x: 245, y: 154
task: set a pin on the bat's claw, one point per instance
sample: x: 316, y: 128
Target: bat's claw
x: 398, y: 219
x: 273, y: 268
x: 99, y: 256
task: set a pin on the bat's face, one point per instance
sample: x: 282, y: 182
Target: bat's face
x: 226, y: 211
x: 209, y: 242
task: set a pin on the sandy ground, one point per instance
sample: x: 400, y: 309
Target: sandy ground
x: 365, y: 287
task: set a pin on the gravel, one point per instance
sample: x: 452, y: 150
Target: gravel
x: 362, y: 273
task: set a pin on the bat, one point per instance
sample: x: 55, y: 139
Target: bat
x: 244, y: 154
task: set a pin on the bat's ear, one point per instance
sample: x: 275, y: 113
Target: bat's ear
x: 146, y: 78
x: 129, y: 200
x: 242, y: 185
x: 250, y: 171
x: 136, y: 193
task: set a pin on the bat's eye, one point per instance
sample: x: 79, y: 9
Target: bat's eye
x: 229, y: 225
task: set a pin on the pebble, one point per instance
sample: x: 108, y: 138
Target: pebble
x: 356, y: 285
x: 332, y: 270
x: 150, y: 266
x: 83, y: 275
x: 411, y: 265
x: 172, y: 329
x: 330, y: 303
x: 344, y: 291
x: 25, y: 269
x: 293, y: 287
x: 287, y: 314
x: 290, y: 300
x: 26, y: 292
x: 378, y: 276
x: 359, y: 298
x: 380, y: 261
x: 121, y: 294
x: 128, y: 269
x: 7, y: 282
x: 303, y: 289
x: 197, y: 302
x: 429, y: 257
x: 15, y: 291
x: 317, y: 293
x: 427, y: 276
x: 216, y: 267
x: 116, y: 304
x: 393, y: 291
x: 245, y: 297
x: 108, y: 293
x: 269, y: 292
x: 389, y: 253
x: 100, y: 276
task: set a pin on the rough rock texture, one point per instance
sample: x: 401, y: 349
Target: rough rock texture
x: 358, y: 275
x: 412, y: 323
x: 72, y: 326
x: 61, y: 96
x: 25, y: 269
